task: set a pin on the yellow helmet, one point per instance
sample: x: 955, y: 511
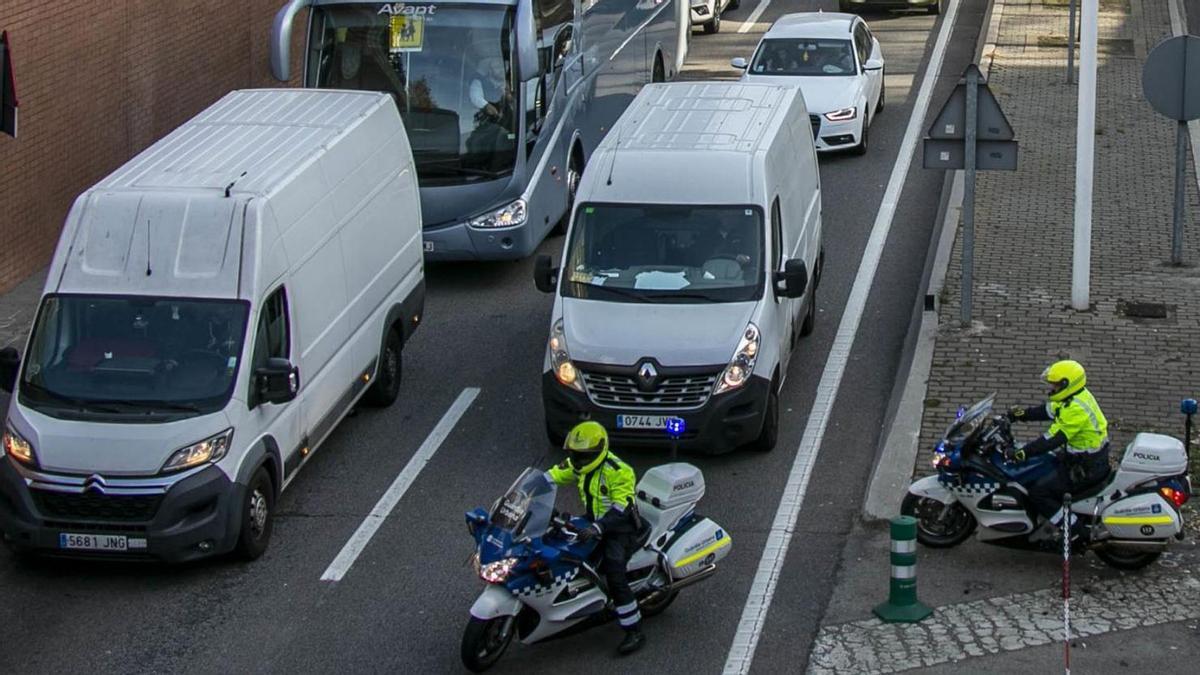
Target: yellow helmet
x: 1066, y: 378
x: 586, y: 445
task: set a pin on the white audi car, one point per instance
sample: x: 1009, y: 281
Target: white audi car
x: 707, y: 13
x: 838, y: 65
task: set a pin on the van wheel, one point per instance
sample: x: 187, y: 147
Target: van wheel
x: 810, y: 318
x: 935, y: 8
x: 714, y: 26
x: 770, y: 431
x: 386, y: 388
x: 257, y: 516
x: 861, y: 148
x: 734, y: 4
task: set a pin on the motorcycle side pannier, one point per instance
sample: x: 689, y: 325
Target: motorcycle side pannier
x: 700, y: 545
x: 667, y: 492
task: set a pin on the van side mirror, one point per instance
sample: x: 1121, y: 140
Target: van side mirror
x: 277, y: 382
x: 793, y: 280
x: 545, y: 275
x: 739, y: 63
x: 10, y: 363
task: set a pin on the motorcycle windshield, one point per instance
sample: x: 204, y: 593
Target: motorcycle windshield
x: 527, y: 506
x: 969, y: 420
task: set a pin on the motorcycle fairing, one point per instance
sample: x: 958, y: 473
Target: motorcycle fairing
x: 495, y: 601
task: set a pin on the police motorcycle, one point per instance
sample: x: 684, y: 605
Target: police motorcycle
x: 542, y: 581
x: 1129, y: 516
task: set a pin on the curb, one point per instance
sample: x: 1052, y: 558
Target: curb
x: 893, y: 472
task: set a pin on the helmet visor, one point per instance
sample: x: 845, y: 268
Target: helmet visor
x: 582, y: 458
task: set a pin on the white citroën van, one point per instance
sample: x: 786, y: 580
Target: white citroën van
x: 213, y: 309
x: 690, y: 269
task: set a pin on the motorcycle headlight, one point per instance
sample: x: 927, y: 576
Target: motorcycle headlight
x: 17, y: 447
x: 509, y: 215
x: 560, y: 359
x: 742, y: 364
x: 841, y: 115
x: 497, y: 572
x: 209, y: 450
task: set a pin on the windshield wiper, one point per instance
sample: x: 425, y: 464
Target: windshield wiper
x: 93, y: 405
x: 463, y: 171
x: 617, y: 290
x: 167, y: 405
x: 690, y: 296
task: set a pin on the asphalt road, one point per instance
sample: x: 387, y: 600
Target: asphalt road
x: 403, y: 604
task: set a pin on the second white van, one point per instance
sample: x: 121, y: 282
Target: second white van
x: 213, y: 310
x: 681, y: 295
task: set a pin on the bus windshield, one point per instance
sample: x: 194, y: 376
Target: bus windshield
x: 449, y: 68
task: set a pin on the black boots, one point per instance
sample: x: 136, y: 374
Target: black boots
x: 634, y: 639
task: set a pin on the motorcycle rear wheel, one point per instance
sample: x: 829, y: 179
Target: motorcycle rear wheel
x: 484, y: 642
x: 1127, y: 560
x: 935, y: 529
x: 656, y: 603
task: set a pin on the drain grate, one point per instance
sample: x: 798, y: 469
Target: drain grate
x: 1144, y: 310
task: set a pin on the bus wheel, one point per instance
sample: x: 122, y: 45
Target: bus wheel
x: 658, y: 75
x: 574, y: 174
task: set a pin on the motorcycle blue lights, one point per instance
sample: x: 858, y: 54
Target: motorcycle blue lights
x: 675, y: 427
x: 1188, y: 406
x: 959, y: 414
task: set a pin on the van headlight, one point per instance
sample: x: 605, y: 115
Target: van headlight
x: 207, y: 451
x: 509, y: 215
x: 17, y: 447
x: 742, y: 364
x: 560, y: 359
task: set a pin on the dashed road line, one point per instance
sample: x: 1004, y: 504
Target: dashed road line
x: 762, y: 590
x: 1004, y: 624
x: 362, y: 536
x: 752, y: 20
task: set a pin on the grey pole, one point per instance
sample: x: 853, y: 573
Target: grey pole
x: 1181, y: 144
x: 968, y: 251
x: 1071, y: 47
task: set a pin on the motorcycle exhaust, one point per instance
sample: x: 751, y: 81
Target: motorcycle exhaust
x: 688, y: 581
x: 1130, y: 543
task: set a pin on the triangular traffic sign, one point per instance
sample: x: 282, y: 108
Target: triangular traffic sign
x: 991, y: 123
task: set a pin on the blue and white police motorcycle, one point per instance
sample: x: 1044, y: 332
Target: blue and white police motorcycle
x: 1130, y: 515
x: 542, y: 581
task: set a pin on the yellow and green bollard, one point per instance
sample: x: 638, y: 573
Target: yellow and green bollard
x: 902, y: 605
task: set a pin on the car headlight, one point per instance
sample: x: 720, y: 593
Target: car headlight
x: 842, y: 115
x: 702, y: 10
x: 497, y: 572
x: 509, y: 215
x: 17, y: 447
x: 209, y: 450
x: 560, y: 359
x: 742, y: 364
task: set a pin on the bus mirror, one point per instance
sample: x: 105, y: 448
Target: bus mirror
x: 281, y: 39
x: 527, y: 62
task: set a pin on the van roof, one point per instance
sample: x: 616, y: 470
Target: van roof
x: 702, y: 137
x: 253, y: 139
x: 812, y: 25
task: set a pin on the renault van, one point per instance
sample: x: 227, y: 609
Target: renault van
x: 680, y: 294
x: 213, y: 309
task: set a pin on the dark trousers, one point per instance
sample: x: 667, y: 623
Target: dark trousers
x: 618, y: 547
x: 1046, y: 493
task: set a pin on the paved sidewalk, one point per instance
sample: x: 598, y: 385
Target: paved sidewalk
x: 17, y: 309
x: 1138, y: 366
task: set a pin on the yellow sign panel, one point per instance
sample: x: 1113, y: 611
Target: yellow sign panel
x: 407, y: 33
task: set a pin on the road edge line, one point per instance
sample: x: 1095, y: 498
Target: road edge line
x: 366, y: 530
x: 894, y: 469
x: 770, y: 566
x: 752, y: 20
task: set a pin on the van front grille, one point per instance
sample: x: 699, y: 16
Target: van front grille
x: 677, y: 392
x: 91, y: 506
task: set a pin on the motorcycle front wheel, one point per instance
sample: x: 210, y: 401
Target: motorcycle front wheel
x: 484, y: 642
x: 938, y: 525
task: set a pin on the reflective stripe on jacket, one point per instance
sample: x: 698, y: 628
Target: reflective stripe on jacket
x: 1080, y: 419
x: 608, y: 486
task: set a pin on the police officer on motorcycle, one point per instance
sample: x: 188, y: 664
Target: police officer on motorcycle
x: 607, y: 487
x: 1078, y: 430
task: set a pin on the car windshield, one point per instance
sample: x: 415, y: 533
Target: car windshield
x: 133, y: 355
x: 806, y: 58
x: 449, y: 69
x: 665, y: 253
x: 527, y: 506
x: 969, y: 420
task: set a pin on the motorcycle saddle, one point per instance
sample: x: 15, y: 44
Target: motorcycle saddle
x: 1089, y: 490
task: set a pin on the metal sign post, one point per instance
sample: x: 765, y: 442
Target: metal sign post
x: 1166, y: 82
x: 8, y: 90
x: 1085, y: 156
x: 970, y: 133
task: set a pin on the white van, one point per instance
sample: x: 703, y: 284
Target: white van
x: 213, y: 309
x: 690, y: 269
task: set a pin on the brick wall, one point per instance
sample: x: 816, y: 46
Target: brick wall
x: 100, y: 81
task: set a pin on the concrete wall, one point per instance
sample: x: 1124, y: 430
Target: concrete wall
x: 97, y: 83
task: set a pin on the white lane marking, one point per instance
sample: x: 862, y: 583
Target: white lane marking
x: 1179, y: 27
x: 753, y: 18
x: 754, y: 614
x: 362, y: 536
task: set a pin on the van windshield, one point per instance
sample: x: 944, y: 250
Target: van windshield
x: 450, y: 69
x: 133, y: 355
x: 665, y: 253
